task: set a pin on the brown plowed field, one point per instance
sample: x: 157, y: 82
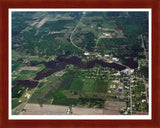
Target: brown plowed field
x: 111, y: 112
x: 86, y: 111
x: 42, y: 22
x: 29, y: 68
x: 36, y: 109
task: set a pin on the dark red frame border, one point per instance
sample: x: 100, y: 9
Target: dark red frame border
x: 6, y: 4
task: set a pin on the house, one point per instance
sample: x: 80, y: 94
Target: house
x: 112, y: 86
x: 126, y: 87
x: 143, y: 101
x: 86, y: 53
x: 128, y: 71
x: 68, y: 111
x: 120, y: 89
x: 106, y: 56
x: 27, y: 95
x: 23, y: 110
x: 121, y: 81
x: 125, y: 113
x: 106, y: 34
x: 115, y: 59
x: 109, y: 91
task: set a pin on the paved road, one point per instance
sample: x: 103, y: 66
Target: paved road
x: 131, y: 99
x: 74, y: 31
x: 19, y: 108
x: 144, y: 48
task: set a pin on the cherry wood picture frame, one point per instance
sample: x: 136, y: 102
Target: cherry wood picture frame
x: 4, y: 61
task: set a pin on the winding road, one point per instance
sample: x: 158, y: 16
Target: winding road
x: 74, y: 31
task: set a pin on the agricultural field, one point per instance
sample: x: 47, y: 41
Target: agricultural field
x: 80, y: 63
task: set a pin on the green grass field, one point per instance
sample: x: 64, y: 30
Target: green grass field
x: 76, y: 84
x: 101, y: 86
x: 88, y: 85
x: 15, y: 103
x: 66, y: 81
x: 41, y: 93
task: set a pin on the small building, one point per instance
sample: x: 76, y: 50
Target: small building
x: 23, y: 110
x: 115, y: 59
x: 112, y: 86
x: 68, y: 111
x: 27, y: 95
x: 106, y: 56
x: 86, y: 53
x: 143, y: 93
x: 14, y: 72
x: 117, y: 74
x: 109, y: 91
x: 120, y: 89
x: 128, y: 71
x: 143, y: 101
x: 125, y: 113
x: 126, y: 87
x: 19, y: 100
x: 106, y: 34
x: 121, y: 81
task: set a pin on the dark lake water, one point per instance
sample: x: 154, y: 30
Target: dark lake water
x: 26, y: 83
x: 129, y: 62
x: 62, y: 62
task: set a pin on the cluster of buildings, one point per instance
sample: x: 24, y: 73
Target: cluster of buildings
x: 103, y: 57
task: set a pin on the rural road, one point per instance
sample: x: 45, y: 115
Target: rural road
x: 74, y: 31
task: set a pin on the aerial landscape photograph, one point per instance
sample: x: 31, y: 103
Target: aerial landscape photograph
x: 80, y: 63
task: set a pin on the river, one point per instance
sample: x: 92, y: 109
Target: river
x: 62, y: 62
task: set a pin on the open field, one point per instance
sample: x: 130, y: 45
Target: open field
x: 141, y: 113
x: 29, y: 68
x: 110, y: 112
x: 88, y: 85
x: 112, y: 105
x: 42, y: 22
x: 101, y: 86
x: 86, y: 111
x: 36, y: 109
x: 15, y: 103
x: 76, y: 84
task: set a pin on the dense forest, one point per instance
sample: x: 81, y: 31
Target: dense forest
x: 38, y: 41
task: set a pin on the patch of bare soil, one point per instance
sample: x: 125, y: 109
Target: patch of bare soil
x: 34, y: 23
x: 105, y: 29
x: 110, y: 112
x: 36, y: 109
x: 141, y: 113
x: 86, y: 111
x: 29, y: 68
x: 42, y: 22
x: 113, y: 105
